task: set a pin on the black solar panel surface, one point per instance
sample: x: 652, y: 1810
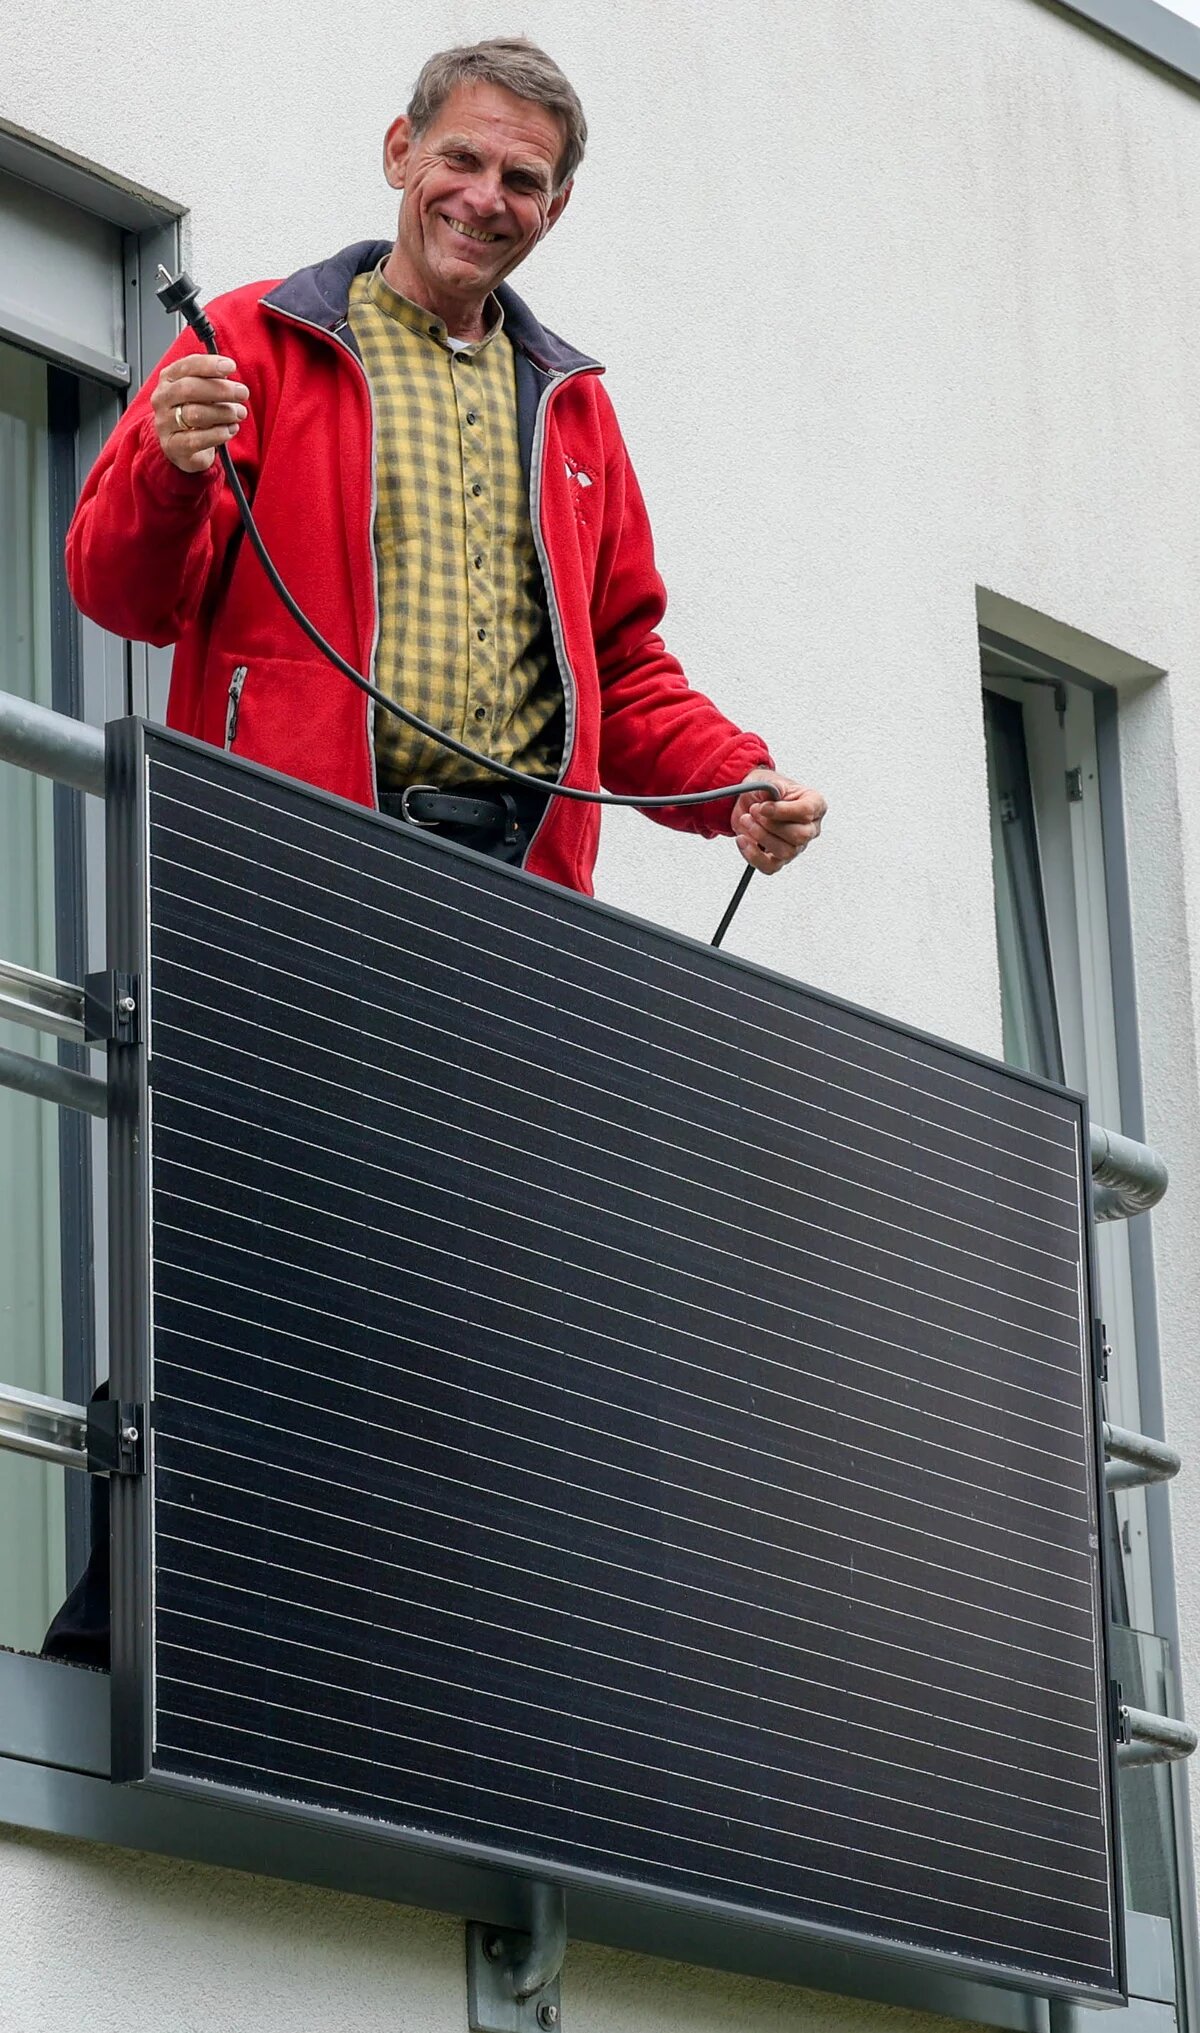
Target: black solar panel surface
x: 611, y: 1404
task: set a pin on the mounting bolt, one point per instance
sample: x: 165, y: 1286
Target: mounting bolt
x: 126, y: 1004
x: 493, y: 1947
x: 547, y: 2015
x: 129, y: 1434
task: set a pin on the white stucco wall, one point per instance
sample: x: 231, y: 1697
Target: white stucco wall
x: 897, y: 301
x: 101, y: 1939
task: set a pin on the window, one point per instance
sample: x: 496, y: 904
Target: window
x: 71, y: 279
x: 30, y: 1308
x: 1068, y: 1014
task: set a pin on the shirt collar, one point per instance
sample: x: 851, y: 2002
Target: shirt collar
x: 393, y: 305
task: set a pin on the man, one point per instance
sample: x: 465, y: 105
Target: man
x: 444, y: 487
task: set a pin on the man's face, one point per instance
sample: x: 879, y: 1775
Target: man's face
x: 478, y: 193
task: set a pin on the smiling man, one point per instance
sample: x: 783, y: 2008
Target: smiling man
x: 444, y: 487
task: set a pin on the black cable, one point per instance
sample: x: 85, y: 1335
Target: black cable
x: 732, y: 905
x: 182, y: 296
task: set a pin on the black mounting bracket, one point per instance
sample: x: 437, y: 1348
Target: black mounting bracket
x: 112, y: 1009
x: 116, y: 1443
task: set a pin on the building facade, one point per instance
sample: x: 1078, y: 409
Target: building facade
x: 899, y: 308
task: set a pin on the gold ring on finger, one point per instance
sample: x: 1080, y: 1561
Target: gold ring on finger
x: 179, y: 417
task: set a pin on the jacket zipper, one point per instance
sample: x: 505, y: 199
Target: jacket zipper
x: 236, y: 683
x: 324, y: 332
x: 565, y: 671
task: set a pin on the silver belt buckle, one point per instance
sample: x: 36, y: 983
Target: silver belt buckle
x: 411, y: 816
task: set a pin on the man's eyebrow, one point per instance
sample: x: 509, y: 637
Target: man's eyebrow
x: 455, y: 144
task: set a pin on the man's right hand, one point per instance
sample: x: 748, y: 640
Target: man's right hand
x: 196, y: 408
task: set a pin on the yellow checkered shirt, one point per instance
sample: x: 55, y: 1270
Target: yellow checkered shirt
x: 463, y: 632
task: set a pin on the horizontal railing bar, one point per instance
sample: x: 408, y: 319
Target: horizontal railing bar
x: 41, y: 1001
x: 49, y: 1428
x: 1154, y: 1739
x: 1134, y: 1459
x: 51, y: 744
x: 1128, y: 1177
x: 47, y: 1081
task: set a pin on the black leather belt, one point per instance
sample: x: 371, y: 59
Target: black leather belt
x: 500, y: 812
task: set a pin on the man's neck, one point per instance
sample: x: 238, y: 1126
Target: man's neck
x: 462, y: 320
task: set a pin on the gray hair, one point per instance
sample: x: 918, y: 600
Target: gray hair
x: 519, y: 66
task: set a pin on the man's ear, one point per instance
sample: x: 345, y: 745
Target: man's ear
x: 558, y: 205
x: 396, y: 144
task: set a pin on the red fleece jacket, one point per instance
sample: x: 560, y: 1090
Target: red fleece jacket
x: 157, y: 555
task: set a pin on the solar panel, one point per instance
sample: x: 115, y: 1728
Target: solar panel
x: 614, y: 1409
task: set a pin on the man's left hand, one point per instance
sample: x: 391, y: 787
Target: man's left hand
x: 772, y: 831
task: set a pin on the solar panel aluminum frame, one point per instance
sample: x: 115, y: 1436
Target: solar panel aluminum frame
x: 604, y: 1906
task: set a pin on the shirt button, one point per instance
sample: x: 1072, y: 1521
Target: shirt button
x: 479, y: 561
x: 482, y: 634
x: 477, y: 489
x: 435, y: 331
x: 481, y: 712
x: 471, y: 417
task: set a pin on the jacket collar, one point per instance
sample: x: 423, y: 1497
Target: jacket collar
x: 321, y: 296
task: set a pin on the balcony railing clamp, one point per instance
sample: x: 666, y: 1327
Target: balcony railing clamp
x: 116, y: 1437
x: 112, y: 1008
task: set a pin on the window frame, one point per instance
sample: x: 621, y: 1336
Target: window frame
x: 1047, y: 670
x: 88, y: 220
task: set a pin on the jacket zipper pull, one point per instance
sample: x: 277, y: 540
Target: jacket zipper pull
x: 235, y: 699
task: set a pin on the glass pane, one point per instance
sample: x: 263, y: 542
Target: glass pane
x: 1142, y: 1665
x: 31, y: 1494
x: 1031, y: 1037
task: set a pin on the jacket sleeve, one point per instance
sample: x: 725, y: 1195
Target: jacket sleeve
x: 657, y: 733
x: 145, y: 537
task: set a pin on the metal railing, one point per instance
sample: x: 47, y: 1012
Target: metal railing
x: 1152, y: 1739
x: 41, y: 1001
x: 50, y: 1429
x: 51, y: 744
x: 1132, y: 1459
x: 1127, y: 1178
